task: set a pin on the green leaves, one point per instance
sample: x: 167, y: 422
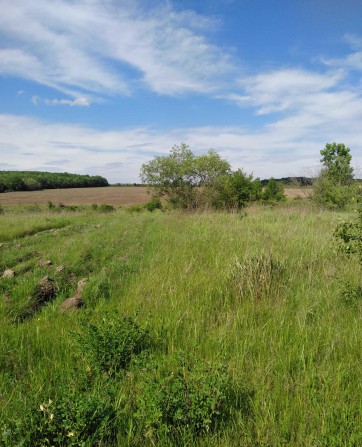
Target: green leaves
x: 336, y: 160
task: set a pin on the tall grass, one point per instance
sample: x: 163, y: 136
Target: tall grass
x: 258, y: 292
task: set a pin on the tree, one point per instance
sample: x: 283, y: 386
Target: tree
x: 183, y: 178
x: 234, y: 190
x: 335, y: 188
x: 336, y: 159
x: 273, y: 191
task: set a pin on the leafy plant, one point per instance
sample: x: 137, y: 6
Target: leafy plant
x: 68, y: 420
x: 111, y: 343
x: 349, y: 234
x: 153, y: 204
x: 181, y: 396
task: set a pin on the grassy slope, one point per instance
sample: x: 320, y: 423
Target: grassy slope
x: 259, y: 292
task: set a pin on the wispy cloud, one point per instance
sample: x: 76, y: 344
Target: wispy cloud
x: 77, y: 102
x: 353, y: 60
x: 109, y: 47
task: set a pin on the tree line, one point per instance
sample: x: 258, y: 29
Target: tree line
x: 36, y: 180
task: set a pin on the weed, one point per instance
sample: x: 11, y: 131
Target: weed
x: 173, y: 398
x: 111, y: 343
x: 68, y: 420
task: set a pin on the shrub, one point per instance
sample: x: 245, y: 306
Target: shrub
x: 350, y: 236
x: 178, y: 398
x: 68, y: 420
x: 153, y: 204
x: 111, y: 343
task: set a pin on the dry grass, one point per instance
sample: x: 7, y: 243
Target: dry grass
x: 124, y: 195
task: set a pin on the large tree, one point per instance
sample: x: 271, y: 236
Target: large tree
x: 189, y: 181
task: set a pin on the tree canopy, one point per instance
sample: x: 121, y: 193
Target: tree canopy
x: 190, y: 181
x: 336, y: 159
x: 335, y: 187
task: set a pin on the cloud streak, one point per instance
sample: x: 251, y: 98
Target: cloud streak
x: 109, y: 47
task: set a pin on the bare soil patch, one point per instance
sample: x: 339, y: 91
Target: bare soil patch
x: 293, y: 193
x: 123, y: 195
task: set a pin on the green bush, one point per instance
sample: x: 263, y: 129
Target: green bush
x: 68, y: 420
x: 180, y: 397
x: 111, y: 343
x: 350, y: 236
x: 153, y: 204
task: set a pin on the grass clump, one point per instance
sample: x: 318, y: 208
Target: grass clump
x: 256, y: 277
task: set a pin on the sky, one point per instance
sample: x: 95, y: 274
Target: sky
x: 100, y: 87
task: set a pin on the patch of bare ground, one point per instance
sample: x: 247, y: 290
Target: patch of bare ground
x: 122, y: 195
x: 293, y: 193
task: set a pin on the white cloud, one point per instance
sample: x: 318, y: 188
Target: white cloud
x: 279, y: 149
x: 283, y: 89
x: 108, y: 47
x: 77, y: 102
x: 35, y: 99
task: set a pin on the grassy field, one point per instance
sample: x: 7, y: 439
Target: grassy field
x: 208, y: 329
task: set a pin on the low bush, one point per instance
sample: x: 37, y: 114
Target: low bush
x: 110, y: 344
x: 68, y: 420
x: 153, y: 204
x: 175, y: 398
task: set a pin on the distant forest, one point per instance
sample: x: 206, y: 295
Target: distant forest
x: 36, y: 180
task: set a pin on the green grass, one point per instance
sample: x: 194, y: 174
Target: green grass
x: 259, y: 293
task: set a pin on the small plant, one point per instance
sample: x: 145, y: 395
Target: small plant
x: 351, y: 295
x: 111, y: 343
x: 51, y: 206
x: 180, y: 397
x: 69, y: 420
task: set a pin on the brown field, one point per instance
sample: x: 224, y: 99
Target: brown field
x: 123, y: 195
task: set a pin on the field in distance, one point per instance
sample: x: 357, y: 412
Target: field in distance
x: 123, y: 195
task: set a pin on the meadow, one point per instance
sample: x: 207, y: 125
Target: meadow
x: 210, y: 329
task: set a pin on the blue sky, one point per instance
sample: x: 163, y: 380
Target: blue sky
x: 102, y: 86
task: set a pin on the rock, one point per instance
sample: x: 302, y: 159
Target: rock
x: 45, y: 290
x: 72, y: 303
x: 43, y: 263
x: 8, y: 273
x: 59, y: 268
x: 76, y: 301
